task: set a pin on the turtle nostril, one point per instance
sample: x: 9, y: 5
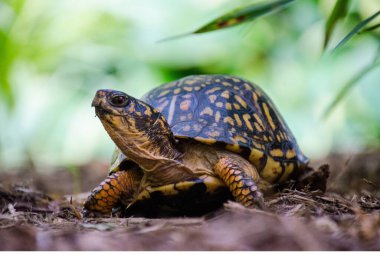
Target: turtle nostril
x: 96, y: 102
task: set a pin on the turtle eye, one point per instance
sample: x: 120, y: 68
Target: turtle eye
x: 119, y: 100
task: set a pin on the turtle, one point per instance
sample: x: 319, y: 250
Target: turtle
x: 194, y: 143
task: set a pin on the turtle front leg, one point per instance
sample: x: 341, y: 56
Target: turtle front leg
x: 242, y: 179
x: 117, y: 186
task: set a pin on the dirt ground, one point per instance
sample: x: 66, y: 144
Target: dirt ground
x: 38, y: 213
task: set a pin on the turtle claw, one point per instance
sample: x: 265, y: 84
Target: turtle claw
x: 94, y: 214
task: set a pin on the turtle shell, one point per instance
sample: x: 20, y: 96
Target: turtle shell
x: 228, y: 111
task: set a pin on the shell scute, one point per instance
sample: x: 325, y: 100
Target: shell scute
x: 226, y: 110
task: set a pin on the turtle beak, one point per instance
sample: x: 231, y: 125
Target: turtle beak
x: 99, y: 97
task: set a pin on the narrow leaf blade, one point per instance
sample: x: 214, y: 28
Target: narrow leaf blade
x: 355, y: 30
x: 347, y: 87
x: 369, y: 29
x: 339, y: 12
x: 241, y: 15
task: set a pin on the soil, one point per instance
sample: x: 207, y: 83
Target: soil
x: 37, y: 212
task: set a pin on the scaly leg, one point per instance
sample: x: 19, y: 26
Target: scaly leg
x: 118, y: 186
x: 242, y: 180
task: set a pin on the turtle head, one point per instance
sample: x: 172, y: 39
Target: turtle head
x: 133, y: 125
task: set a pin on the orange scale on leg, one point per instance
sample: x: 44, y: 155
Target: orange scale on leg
x: 103, y: 193
x: 101, y: 203
x: 106, y: 186
x: 111, y: 192
x: 109, y: 198
x: 98, y: 196
x: 114, y: 183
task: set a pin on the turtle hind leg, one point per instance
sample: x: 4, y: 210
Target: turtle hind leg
x: 242, y: 180
x: 108, y: 194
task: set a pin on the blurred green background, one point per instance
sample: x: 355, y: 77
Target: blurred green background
x: 54, y: 55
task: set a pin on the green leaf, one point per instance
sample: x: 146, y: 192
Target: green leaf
x: 6, y: 92
x: 369, y: 29
x: 238, y: 16
x: 339, y: 12
x: 241, y: 15
x: 346, y: 88
x: 356, y: 29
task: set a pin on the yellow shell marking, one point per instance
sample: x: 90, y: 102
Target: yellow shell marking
x: 271, y: 170
x: 276, y: 153
x: 258, y: 120
x: 255, y: 98
x: 228, y: 106
x: 214, y: 133
x: 258, y: 145
x: 240, y: 139
x: 190, y: 82
x: 185, y: 105
x: 207, y: 111
x: 207, y: 141
x: 290, y: 154
x: 246, y: 118
x: 225, y: 94
x: 255, y: 155
x: 176, y: 91
x: 217, y: 116
x: 268, y: 116
x: 241, y: 101
x: 229, y: 120
x: 212, y: 98
x: 288, y: 170
x: 211, y: 91
x: 236, y: 106
x: 238, y: 120
x: 189, y: 89
x: 219, y: 104
x: 170, y: 85
x: 258, y: 128
x: 247, y: 86
x: 171, y: 109
x: 197, y: 127
x: 163, y: 93
x: 234, y: 148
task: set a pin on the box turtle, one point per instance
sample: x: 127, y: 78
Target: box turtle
x: 191, y: 144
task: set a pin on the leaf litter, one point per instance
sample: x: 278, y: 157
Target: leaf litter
x: 345, y: 217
